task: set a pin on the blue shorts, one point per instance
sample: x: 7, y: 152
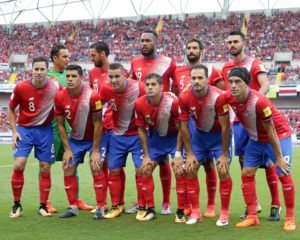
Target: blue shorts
x: 104, y: 145
x: 120, y: 146
x: 207, y: 145
x: 160, y: 147
x: 80, y: 147
x: 241, y: 139
x: 39, y: 137
x: 257, y: 153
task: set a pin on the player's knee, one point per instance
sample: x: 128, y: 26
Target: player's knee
x: 19, y: 165
x: 191, y: 174
x: 115, y: 171
x: 249, y: 172
x: 44, y: 167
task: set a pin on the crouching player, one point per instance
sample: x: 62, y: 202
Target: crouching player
x: 81, y: 107
x: 159, y: 111
x: 210, y: 139
x: 270, y: 138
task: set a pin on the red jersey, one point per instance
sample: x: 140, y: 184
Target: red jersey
x: 253, y: 65
x: 162, y: 116
x: 254, y: 112
x: 36, y: 104
x: 203, y: 110
x: 79, y: 110
x: 97, y: 79
x: 122, y: 105
x: 162, y: 65
x: 182, y: 77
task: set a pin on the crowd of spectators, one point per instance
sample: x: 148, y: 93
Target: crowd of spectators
x: 281, y: 32
x: 293, y: 117
x: 4, y: 126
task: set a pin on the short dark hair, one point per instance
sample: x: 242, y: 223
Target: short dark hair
x: 100, y: 46
x: 152, y: 32
x: 242, y: 35
x: 201, y: 46
x: 55, y: 50
x: 200, y: 66
x: 115, y: 66
x: 75, y: 67
x: 40, y: 59
x: 242, y: 73
x: 156, y: 76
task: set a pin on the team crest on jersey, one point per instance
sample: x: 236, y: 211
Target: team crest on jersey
x: 83, y: 107
x: 158, y: 68
x: 163, y: 114
x: 68, y: 106
x: 130, y: 99
x: 49, y: 97
x: 209, y: 108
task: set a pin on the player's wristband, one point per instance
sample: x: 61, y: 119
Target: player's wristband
x: 178, y: 154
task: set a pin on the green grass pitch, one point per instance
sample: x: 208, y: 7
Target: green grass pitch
x: 32, y: 226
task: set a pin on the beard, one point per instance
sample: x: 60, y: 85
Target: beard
x: 98, y: 64
x: 238, y: 51
x: 193, y: 58
x: 149, y: 53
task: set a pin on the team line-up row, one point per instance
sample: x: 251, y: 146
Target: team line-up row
x: 117, y: 115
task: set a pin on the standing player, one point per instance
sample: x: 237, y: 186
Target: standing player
x: 151, y: 62
x: 194, y: 51
x: 259, y: 81
x: 81, y: 107
x: 98, y: 75
x: 210, y: 140
x: 159, y: 111
x: 60, y: 57
x: 35, y: 97
x: 270, y: 138
x: 121, y: 93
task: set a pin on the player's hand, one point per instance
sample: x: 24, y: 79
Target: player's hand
x: 223, y: 165
x: 186, y: 88
x: 191, y: 164
x: 282, y: 164
x: 68, y: 159
x: 147, y: 165
x: 177, y: 165
x: 15, y: 138
x: 95, y: 161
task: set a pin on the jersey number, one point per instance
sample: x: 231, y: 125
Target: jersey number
x: 31, y: 106
x: 68, y: 114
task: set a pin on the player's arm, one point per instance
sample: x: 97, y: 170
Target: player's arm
x: 95, y: 155
x: 177, y: 162
x: 13, y: 126
x: 68, y: 157
x: 223, y: 159
x: 191, y: 161
x: 264, y: 83
x: 147, y: 163
x: 274, y: 140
